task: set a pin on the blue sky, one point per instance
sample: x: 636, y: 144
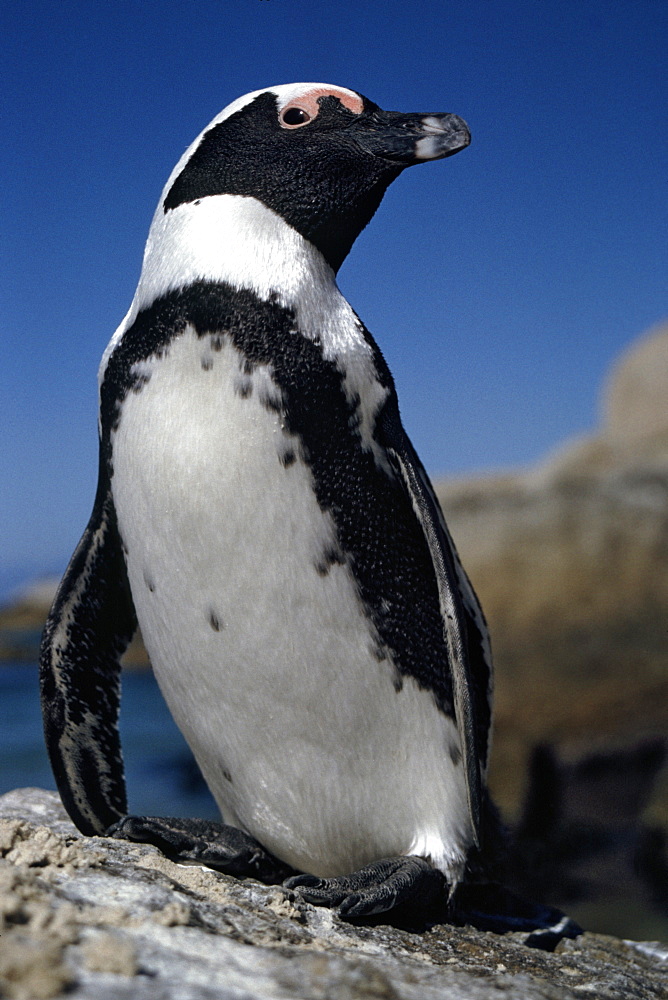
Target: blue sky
x: 500, y: 283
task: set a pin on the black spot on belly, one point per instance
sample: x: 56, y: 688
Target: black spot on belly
x: 383, y: 542
x: 288, y: 458
x: 149, y: 582
x: 216, y: 342
x: 455, y: 753
x: 227, y: 776
x: 330, y: 557
x: 215, y: 622
x: 207, y: 364
x: 271, y: 403
x: 140, y: 381
x: 243, y: 387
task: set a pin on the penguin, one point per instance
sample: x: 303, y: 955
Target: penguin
x: 263, y: 516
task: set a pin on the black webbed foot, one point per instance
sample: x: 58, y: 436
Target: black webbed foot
x: 216, y: 845
x: 379, y: 887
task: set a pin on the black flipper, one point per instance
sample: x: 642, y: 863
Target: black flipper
x: 389, y: 884
x: 89, y: 626
x: 206, y: 842
x: 464, y: 625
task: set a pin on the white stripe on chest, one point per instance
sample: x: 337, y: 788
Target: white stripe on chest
x: 239, y: 241
x: 268, y: 666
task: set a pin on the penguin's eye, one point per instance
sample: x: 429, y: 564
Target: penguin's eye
x: 294, y: 117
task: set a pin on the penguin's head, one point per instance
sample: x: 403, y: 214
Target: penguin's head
x: 319, y: 156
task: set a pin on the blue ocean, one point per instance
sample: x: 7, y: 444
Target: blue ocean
x: 161, y: 774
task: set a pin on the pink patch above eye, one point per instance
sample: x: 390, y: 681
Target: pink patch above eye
x: 309, y: 101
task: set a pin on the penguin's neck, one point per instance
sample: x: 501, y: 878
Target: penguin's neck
x: 239, y: 241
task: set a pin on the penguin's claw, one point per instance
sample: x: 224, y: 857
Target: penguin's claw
x: 376, y: 888
x: 215, y: 845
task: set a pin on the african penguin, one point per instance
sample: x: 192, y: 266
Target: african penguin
x: 263, y: 516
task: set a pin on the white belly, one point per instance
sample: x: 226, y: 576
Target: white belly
x: 267, y: 665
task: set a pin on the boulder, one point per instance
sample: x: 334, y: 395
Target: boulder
x: 570, y: 560
x: 635, y: 408
x: 102, y: 919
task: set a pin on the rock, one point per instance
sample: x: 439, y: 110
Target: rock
x: 105, y: 919
x: 570, y: 560
x: 26, y: 609
x: 635, y: 410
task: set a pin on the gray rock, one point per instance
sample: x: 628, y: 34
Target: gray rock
x: 105, y: 919
x: 569, y: 561
x: 635, y: 411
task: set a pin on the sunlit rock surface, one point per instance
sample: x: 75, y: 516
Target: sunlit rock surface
x: 107, y: 920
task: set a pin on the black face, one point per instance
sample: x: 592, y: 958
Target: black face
x: 325, y: 173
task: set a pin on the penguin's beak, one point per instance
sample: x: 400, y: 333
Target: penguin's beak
x: 412, y: 138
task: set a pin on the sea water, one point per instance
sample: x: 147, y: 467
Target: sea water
x: 161, y: 774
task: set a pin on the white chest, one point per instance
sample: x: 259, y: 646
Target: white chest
x: 259, y: 642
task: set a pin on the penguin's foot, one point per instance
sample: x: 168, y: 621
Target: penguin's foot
x: 205, y: 842
x: 492, y: 907
x: 379, y: 887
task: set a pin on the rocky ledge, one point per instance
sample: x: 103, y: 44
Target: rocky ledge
x: 106, y: 919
